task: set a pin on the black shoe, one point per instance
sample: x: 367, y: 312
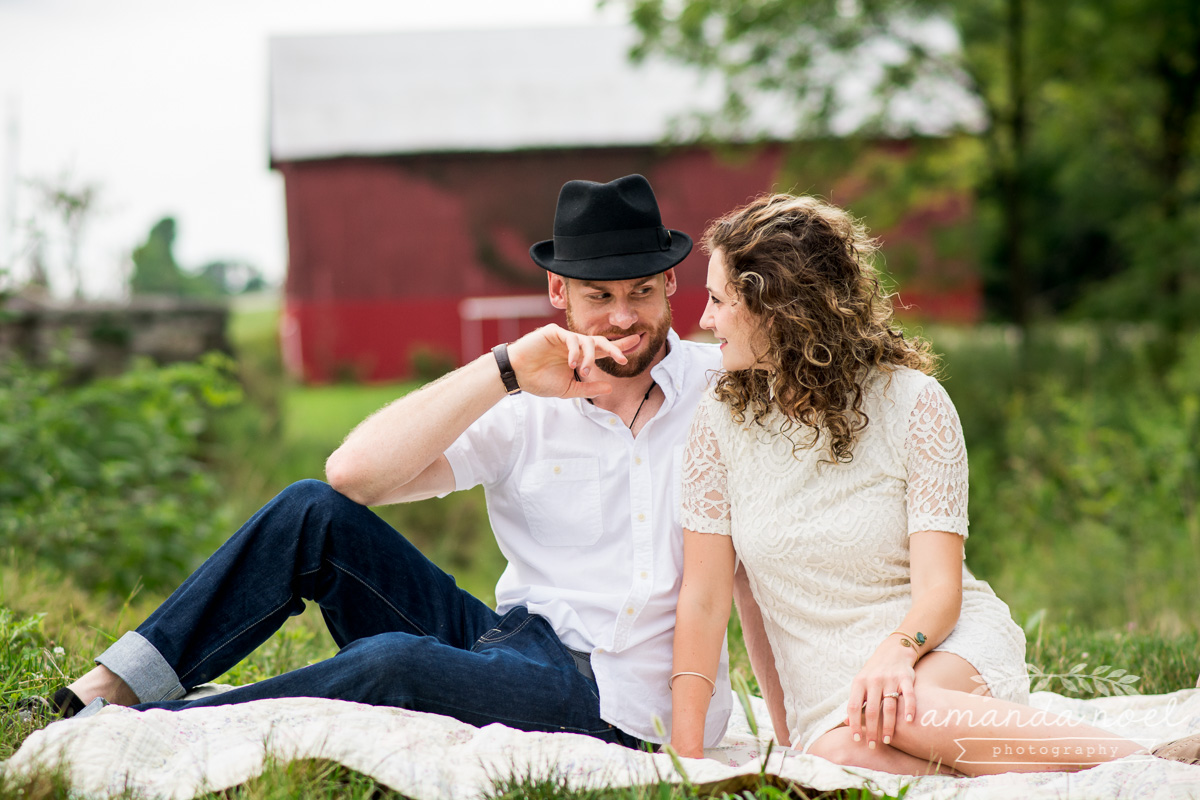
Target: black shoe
x: 65, y: 703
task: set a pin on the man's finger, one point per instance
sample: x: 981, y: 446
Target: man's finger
x: 615, y: 347
x: 588, y: 389
x: 588, y: 345
x: 572, y: 351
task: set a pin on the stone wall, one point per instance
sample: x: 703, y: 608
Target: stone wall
x: 101, y: 338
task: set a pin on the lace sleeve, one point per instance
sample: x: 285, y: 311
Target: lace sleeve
x: 705, y: 488
x: 937, y: 465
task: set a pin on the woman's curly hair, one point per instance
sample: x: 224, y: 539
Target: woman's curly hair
x: 804, y: 269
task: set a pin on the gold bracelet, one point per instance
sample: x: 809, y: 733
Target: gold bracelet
x: 697, y: 674
x: 907, y: 640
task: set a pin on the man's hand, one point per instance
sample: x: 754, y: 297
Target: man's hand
x: 546, y: 360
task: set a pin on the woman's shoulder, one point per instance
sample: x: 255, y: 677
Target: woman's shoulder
x: 715, y: 411
x: 719, y: 416
x: 902, y: 385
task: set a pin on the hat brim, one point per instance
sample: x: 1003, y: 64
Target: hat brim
x: 614, y: 268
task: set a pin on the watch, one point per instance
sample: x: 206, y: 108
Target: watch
x: 507, y: 375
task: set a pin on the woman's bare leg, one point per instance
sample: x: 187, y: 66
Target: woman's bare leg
x: 958, y: 726
x: 838, y: 746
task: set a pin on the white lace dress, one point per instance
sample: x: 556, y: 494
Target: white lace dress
x: 826, y: 545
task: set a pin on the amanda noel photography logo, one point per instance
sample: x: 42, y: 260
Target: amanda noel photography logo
x: 1079, y: 683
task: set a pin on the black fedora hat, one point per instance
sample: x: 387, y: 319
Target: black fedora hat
x: 610, y: 232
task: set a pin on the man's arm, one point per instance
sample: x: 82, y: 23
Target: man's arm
x: 396, y: 454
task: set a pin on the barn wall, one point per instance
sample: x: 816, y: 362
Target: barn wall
x: 382, y: 250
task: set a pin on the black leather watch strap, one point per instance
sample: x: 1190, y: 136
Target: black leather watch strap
x: 507, y: 375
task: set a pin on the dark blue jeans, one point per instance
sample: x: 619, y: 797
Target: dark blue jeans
x: 409, y: 637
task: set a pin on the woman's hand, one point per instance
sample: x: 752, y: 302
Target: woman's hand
x: 882, y: 690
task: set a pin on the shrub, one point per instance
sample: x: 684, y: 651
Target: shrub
x: 1085, y: 476
x: 106, y: 480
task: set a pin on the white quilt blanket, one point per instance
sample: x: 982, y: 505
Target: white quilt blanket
x: 425, y: 756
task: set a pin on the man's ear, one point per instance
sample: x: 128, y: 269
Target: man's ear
x: 558, y: 290
x: 669, y: 283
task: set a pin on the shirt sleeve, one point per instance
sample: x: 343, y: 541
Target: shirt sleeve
x: 937, y: 465
x: 486, y: 451
x: 705, y: 480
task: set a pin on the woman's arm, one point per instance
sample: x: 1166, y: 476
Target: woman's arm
x: 935, y: 559
x: 701, y: 617
x: 762, y: 657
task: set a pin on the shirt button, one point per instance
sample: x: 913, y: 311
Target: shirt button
x: 612, y: 420
x: 557, y: 469
x: 599, y: 649
x: 645, y: 575
x: 638, y: 461
x: 641, y: 517
x: 629, y: 610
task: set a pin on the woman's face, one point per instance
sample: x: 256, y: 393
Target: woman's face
x: 743, y: 340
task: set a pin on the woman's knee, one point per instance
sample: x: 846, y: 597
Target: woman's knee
x: 838, y: 746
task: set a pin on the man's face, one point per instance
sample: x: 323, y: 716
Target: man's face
x: 614, y: 309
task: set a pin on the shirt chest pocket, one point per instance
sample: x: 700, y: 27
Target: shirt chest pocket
x: 561, y: 501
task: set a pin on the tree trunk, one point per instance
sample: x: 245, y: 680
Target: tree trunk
x: 1014, y: 180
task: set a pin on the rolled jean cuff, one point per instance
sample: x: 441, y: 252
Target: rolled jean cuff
x: 142, y: 667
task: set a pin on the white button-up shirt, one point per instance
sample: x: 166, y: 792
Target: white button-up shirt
x: 588, y: 518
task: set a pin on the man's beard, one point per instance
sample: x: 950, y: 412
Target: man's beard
x: 637, y: 364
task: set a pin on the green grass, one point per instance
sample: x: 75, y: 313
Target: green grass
x: 316, y: 417
x: 53, y: 628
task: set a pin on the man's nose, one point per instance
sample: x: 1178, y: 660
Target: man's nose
x: 623, y: 317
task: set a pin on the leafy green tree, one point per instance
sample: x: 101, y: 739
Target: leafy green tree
x: 1088, y: 119
x: 230, y: 277
x: 155, y: 270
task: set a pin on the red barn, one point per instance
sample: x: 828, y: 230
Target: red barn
x: 420, y: 167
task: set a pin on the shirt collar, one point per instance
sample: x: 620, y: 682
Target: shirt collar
x: 669, y: 373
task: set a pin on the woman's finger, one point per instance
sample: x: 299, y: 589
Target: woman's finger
x: 889, y: 718
x: 854, y: 710
x: 908, y: 696
x: 874, y: 701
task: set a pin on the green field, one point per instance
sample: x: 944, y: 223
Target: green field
x: 1084, y: 509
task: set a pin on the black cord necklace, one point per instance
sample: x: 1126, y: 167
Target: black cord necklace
x: 639, y: 408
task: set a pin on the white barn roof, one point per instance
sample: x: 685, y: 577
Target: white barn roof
x: 495, y: 90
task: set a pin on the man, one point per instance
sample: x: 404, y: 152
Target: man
x: 576, y: 435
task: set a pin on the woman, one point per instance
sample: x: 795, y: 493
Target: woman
x: 834, y: 467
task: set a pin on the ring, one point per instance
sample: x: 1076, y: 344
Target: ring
x: 893, y: 695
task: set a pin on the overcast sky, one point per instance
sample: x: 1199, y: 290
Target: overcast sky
x: 162, y: 104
